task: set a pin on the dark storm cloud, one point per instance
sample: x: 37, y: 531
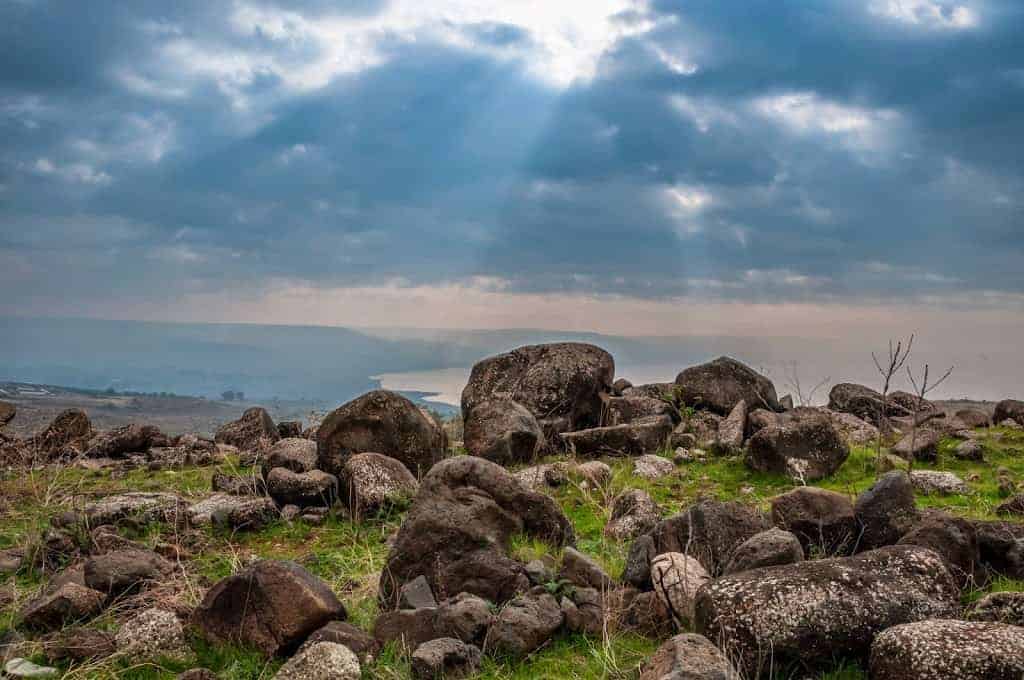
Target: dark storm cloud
x: 747, y: 150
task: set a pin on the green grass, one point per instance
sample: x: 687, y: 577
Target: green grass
x: 349, y: 555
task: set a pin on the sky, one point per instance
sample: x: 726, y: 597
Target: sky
x: 701, y: 166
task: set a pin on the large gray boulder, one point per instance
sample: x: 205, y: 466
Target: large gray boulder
x: 634, y: 512
x: 524, y: 624
x: 503, y: 431
x: 946, y: 648
x: 721, y: 384
x: 458, y: 531
x: 647, y: 435
x: 381, y: 422
x: 314, y: 488
x: 295, y: 454
x: 563, y: 384
x: 803, y: 444
x: 860, y: 400
x: 886, y: 511
x: 812, y: 612
x: 619, y: 410
x: 1009, y: 409
x: 254, y: 431
x: 372, y: 481
x: 688, y: 657
x: 272, y: 606
x: 70, y: 430
x: 770, y: 548
x: 127, y: 439
x: 822, y: 520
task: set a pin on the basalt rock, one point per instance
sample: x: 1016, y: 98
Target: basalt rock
x: 646, y: 435
x: 371, y: 481
x: 886, y: 511
x: 822, y: 520
x: 770, y: 548
x: 1009, y: 409
x: 71, y: 428
x: 634, y: 512
x: 946, y: 648
x: 124, y: 440
x: 804, y: 445
x: 255, y: 430
x: 503, y: 431
x: 382, y: 422
x: 689, y: 657
x: 721, y: 384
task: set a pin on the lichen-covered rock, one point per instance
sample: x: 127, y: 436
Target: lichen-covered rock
x: 563, y: 384
x: 382, y: 422
x: 688, y: 657
x: 255, y: 430
x: 233, y: 512
x: 1012, y: 506
x: 465, y: 617
x: 973, y: 417
x: 803, y: 445
x: 321, y: 661
x: 583, y: 571
x: 939, y: 482
x: 811, y: 612
x: 653, y: 467
x: 710, y: 531
x: 372, y: 481
x: 677, y: 578
x: 71, y: 428
x: 1007, y: 607
x: 271, y: 605
x: 343, y: 633
x: 545, y: 475
x: 152, y: 634
x: 620, y: 410
x: 126, y: 439
x: 503, y: 431
x: 458, y: 530
x: 239, y: 485
x: 1001, y: 547
x: 122, y: 571
x: 646, y: 435
x: 524, y: 624
x: 953, y: 538
x: 922, y: 445
x: 594, y: 472
x: 946, y: 648
x: 314, y: 488
x: 295, y: 453
x: 60, y: 605
x: 731, y: 431
x: 290, y: 429
x: 137, y: 507
x: 770, y: 548
x: 645, y: 614
x: 634, y: 512
x: 445, y: 658
x: 721, y: 384
x: 860, y: 400
x: 822, y: 520
x: 970, y: 449
x: 886, y: 511
x: 851, y: 428
x: 1009, y: 409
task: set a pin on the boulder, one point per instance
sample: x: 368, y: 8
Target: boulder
x: 708, y: 530
x: 1001, y: 547
x: 594, y: 472
x: 905, y: 403
x: 645, y: 614
x: 721, y: 384
x: 620, y: 385
x: 645, y: 435
x: 770, y: 548
x: 811, y: 612
x: 973, y: 417
x: 458, y: 530
x: 731, y: 431
x: 416, y: 594
x: 364, y: 646
x: 408, y: 627
x: 321, y: 661
x: 661, y: 391
x: 653, y: 467
x: 125, y: 440
x: 71, y: 428
x: 445, y: 658
x: 703, y: 425
x: 304, y: 489
x: 503, y: 431
x: 465, y: 617
x: 563, y: 385
x: 1012, y: 506
x: 1009, y: 409
x: 952, y: 538
x: 254, y: 431
x: 970, y: 449
x: 524, y: 624
x: 233, y: 512
x: 122, y: 571
x: 760, y: 418
x: 946, y: 648
x: 886, y: 511
x: 290, y: 429
x: 822, y: 520
x: 637, y: 570
x: 634, y: 512
x: 238, y: 485
x: 295, y: 454
x: 583, y: 571
x: 152, y: 634
x: 859, y: 400
x: 688, y: 657
x: 383, y: 422
x: 851, y: 428
x: 60, y: 605
x: 620, y: 410
x: 78, y: 644
x: 372, y: 481
x: 1003, y: 607
x: 543, y: 476
x: 938, y: 482
x: 922, y: 445
x: 676, y: 579
x: 804, y: 445
x: 271, y: 605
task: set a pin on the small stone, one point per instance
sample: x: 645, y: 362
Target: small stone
x: 415, y: 594
x: 445, y: 658
x: 595, y: 472
x: 938, y: 482
x: 583, y: 571
x: 970, y: 450
x: 152, y: 634
x: 653, y: 467
x: 677, y: 578
x: 23, y: 668
x: 321, y: 661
